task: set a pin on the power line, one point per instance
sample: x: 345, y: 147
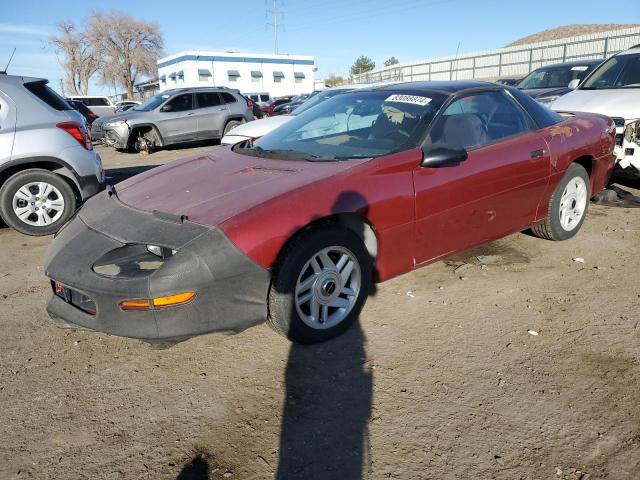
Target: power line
x: 369, y: 13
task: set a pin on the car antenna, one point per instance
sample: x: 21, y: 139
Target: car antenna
x: 9, y: 62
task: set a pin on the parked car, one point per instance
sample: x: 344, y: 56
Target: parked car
x: 175, y: 116
x: 261, y: 98
x: 294, y: 228
x: 124, y: 105
x: 268, y: 110
x: 613, y: 89
x: 88, y: 115
x: 287, y: 108
x: 511, y: 82
x: 99, y: 105
x: 259, y: 128
x: 47, y: 163
x: 549, y: 83
x: 255, y: 108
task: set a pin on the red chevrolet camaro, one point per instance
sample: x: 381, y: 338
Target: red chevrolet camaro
x: 294, y: 227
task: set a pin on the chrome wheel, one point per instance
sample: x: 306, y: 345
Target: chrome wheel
x: 573, y: 203
x: 328, y: 287
x: 38, y: 204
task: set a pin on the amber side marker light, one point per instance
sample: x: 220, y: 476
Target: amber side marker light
x: 157, y: 303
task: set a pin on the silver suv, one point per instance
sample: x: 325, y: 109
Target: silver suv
x: 47, y: 163
x: 175, y: 116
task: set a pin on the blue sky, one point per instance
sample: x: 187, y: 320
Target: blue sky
x: 334, y: 31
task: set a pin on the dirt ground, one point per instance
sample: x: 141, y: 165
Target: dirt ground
x: 514, y: 361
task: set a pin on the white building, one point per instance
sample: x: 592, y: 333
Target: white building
x: 248, y: 72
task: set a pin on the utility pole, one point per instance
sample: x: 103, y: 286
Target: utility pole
x: 274, y: 23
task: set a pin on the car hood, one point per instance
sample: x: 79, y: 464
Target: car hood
x: 545, y: 92
x: 619, y: 102
x: 261, y: 127
x: 212, y: 188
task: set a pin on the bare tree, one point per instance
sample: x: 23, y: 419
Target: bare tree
x: 79, y: 61
x: 127, y: 48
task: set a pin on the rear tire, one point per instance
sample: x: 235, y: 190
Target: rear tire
x: 320, y: 284
x: 230, y: 125
x: 36, y: 202
x: 567, y: 207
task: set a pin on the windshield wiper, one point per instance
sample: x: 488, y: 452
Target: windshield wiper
x: 285, y: 154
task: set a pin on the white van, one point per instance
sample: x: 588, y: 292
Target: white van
x: 261, y: 98
x: 612, y: 89
x: 99, y: 105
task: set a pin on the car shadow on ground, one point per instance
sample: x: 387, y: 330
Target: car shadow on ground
x: 175, y: 147
x: 117, y: 175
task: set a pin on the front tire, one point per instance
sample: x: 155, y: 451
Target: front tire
x: 36, y: 202
x: 567, y: 207
x: 320, y: 284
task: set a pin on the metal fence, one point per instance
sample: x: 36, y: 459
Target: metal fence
x: 514, y: 61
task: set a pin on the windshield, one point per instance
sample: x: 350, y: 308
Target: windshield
x: 621, y: 71
x: 152, y: 103
x: 353, y: 125
x: 554, y: 77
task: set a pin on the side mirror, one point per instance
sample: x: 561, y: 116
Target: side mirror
x: 573, y: 84
x: 166, y: 108
x: 442, y: 156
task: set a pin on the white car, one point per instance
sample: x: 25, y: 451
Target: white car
x: 99, y: 105
x: 613, y: 89
x: 258, y: 128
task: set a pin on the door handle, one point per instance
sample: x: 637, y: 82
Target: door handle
x: 537, y: 153
x: 189, y: 114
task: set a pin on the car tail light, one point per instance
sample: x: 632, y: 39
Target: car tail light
x: 77, y: 131
x: 249, y: 103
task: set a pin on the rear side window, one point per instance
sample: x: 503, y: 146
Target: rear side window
x: 207, y: 99
x: 47, y: 95
x: 542, y: 116
x: 228, y: 98
x: 264, y: 98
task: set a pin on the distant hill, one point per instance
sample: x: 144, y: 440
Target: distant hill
x: 569, y: 31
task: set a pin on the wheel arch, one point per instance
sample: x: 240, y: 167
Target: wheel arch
x: 52, y: 164
x: 358, y: 224
x: 585, y: 161
x: 236, y: 117
x: 146, y: 127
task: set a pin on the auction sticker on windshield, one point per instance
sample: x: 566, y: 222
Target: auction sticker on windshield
x: 413, y: 99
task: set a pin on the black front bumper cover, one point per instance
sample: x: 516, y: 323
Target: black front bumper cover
x: 231, y: 289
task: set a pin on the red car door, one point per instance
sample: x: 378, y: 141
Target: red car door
x: 496, y: 191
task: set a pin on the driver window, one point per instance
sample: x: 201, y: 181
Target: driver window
x: 478, y: 119
x: 181, y: 103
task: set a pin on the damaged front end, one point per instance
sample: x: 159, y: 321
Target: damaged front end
x: 152, y: 276
x: 628, y: 145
